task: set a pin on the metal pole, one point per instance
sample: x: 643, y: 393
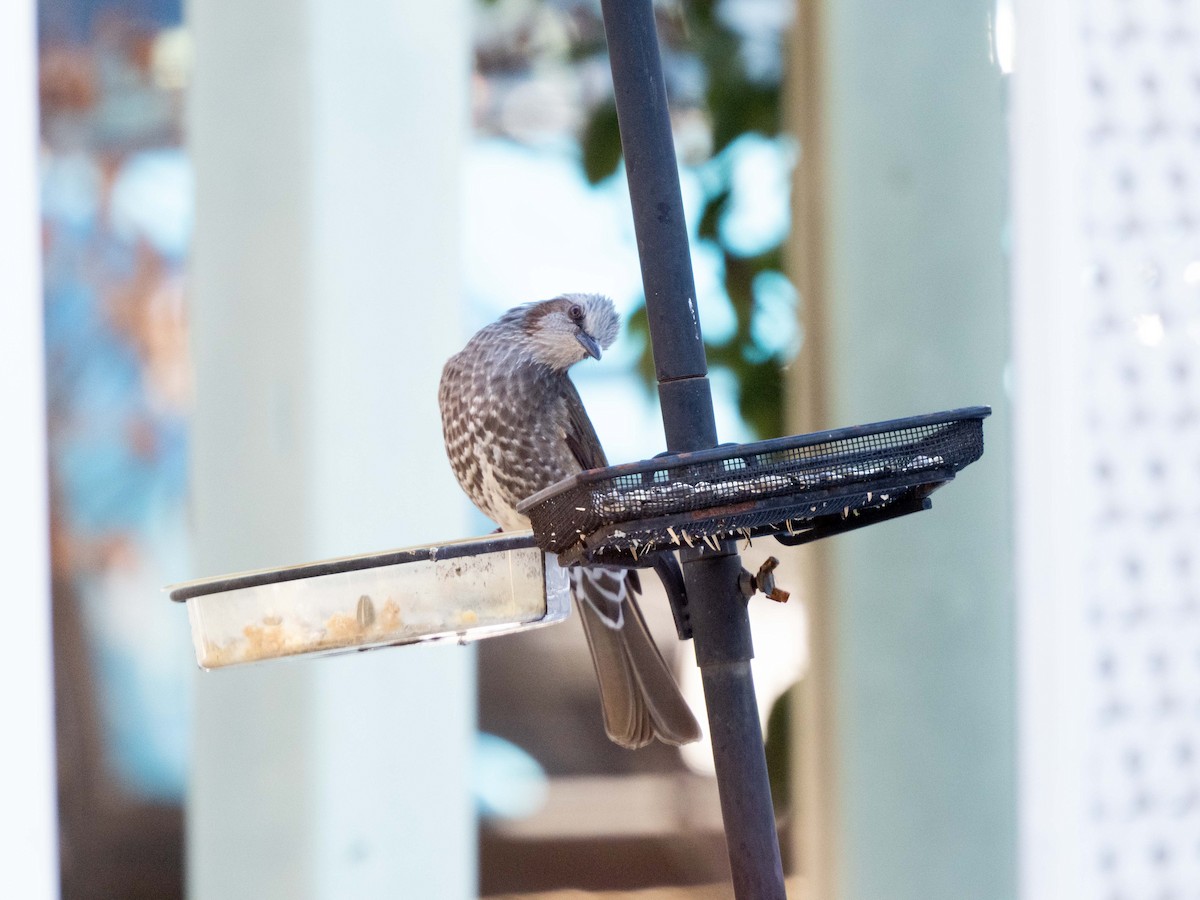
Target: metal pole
x: 720, y: 625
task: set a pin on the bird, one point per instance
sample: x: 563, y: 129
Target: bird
x: 513, y: 424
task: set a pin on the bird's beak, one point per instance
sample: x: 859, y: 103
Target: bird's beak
x: 589, y: 343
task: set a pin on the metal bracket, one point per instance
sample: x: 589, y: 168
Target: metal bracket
x: 763, y: 581
x: 828, y: 526
x: 671, y: 575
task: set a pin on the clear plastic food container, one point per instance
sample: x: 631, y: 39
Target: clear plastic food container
x: 461, y: 590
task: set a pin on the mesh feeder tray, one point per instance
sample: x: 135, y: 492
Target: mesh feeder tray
x: 797, y: 488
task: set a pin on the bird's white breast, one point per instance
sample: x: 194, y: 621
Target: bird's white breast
x: 496, y: 502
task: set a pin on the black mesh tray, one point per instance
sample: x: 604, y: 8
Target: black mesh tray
x: 797, y: 488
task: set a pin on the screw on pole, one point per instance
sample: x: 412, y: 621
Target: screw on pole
x: 719, y: 621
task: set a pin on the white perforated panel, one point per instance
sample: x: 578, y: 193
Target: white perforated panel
x: 1140, y: 352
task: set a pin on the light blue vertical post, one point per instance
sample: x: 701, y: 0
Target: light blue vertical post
x: 325, y: 294
x: 916, y: 305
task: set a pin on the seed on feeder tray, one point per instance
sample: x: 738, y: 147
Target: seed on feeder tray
x: 365, y: 612
x: 674, y: 536
x: 868, y: 496
x: 923, y: 462
x: 687, y: 538
x: 845, y: 512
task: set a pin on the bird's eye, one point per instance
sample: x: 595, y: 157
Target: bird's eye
x: 575, y: 312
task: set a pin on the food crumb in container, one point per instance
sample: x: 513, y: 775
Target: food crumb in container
x: 389, y: 617
x: 272, y: 638
x: 342, y: 628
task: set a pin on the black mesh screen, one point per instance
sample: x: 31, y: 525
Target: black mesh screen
x: 779, y: 485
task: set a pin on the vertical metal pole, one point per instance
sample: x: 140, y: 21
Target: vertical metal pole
x: 720, y: 625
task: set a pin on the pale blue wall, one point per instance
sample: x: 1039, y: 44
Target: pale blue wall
x: 918, y: 310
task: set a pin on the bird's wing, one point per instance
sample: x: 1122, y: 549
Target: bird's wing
x: 581, y: 436
x: 606, y: 591
x: 585, y: 447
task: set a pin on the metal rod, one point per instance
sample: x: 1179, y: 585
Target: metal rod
x: 720, y: 624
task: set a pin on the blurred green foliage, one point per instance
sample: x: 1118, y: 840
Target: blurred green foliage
x: 716, y: 97
x: 736, y: 104
x: 778, y: 749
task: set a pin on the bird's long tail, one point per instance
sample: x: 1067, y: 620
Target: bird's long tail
x: 640, y: 698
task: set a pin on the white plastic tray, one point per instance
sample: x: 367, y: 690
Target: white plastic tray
x: 461, y: 590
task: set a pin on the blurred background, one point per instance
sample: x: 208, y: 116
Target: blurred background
x: 119, y: 210
x: 265, y: 227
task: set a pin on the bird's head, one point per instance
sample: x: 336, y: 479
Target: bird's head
x: 569, y: 328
